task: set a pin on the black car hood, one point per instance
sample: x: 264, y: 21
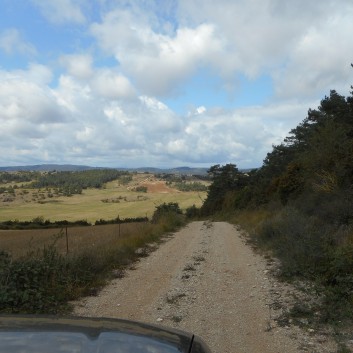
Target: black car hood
x: 82, y: 335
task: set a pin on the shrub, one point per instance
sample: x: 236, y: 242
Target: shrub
x: 298, y: 241
x: 44, y: 281
x: 192, y: 212
x: 37, y: 283
x: 164, y: 210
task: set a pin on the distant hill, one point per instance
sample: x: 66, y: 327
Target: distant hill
x: 71, y: 168
x: 179, y: 170
x: 75, y: 168
x: 46, y: 168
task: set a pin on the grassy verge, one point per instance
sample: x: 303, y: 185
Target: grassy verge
x: 310, y: 251
x: 44, y: 281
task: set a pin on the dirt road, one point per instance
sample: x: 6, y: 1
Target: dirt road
x: 206, y: 280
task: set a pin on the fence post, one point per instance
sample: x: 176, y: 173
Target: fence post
x: 67, y: 241
x: 119, y: 226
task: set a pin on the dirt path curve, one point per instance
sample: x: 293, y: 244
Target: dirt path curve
x: 206, y: 280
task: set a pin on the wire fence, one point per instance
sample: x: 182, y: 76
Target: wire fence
x: 67, y: 239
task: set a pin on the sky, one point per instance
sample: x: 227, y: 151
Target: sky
x: 164, y: 83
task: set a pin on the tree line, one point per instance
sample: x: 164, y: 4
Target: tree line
x: 74, y: 182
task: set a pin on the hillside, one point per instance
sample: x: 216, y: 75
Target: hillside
x: 91, y: 195
x: 71, y: 168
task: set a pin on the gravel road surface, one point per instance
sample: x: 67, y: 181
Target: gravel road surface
x: 207, y: 280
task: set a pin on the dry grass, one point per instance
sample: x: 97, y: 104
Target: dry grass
x: 80, y: 239
x: 250, y: 219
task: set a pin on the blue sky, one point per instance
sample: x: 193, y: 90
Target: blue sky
x: 164, y: 83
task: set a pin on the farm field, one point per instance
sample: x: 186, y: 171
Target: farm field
x: 115, y: 199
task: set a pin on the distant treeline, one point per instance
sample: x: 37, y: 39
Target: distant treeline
x: 85, y: 179
x: 40, y: 223
x: 123, y: 220
x: 18, y: 177
x: 65, y: 182
x: 194, y: 186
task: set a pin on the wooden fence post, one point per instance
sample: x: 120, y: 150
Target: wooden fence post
x: 119, y: 226
x: 67, y: 241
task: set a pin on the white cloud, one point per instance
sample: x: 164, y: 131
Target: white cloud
x: 290, y: 41
x: 112, y: 85
x: 61, y: 11
x: 78, y: 65
x: 72, y: 123
x: 320, y: 59
x: 23, y: 98
x: 11, y: 42
x: 305, y: 46
x: 104, y: 107
x: 157, y: 62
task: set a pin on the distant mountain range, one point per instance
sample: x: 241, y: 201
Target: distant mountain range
x: 72, y: 168
x: 46, y: 168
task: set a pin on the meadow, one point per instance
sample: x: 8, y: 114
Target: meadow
x: 113, y: 200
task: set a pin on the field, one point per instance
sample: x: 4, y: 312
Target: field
x: 115, y: 199
x: 43, y: 269
x: 72, y: 240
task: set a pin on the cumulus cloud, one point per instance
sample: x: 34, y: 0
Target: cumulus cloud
x: 72, y: 123
x: 61, y: 11
x: 78, y: 65
x: 157, y: 62
x: 112, y: 84
x: 29, y: 113
x: 314, y: 65
x: 112, y: 113
x: 11, y: 42
x: 291, y: 40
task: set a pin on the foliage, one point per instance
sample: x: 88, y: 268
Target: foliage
x: 125, y: 179
x: 69, y: 183
x: 224, y: 179
x: 141, y: 189
x: 35, y: 284
x: 17, y: 177
x: 193, y: 186
x: 39, y: 222
x: 166, y: 210
x: 192, y: 212
x: 121, y: 220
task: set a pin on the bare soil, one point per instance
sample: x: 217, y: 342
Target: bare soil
x: 158, y: 186
x: 207, y: 280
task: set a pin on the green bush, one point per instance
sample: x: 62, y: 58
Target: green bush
x: 164, y: 210
x: 37, y: 283
x: 141, y: 189
x: 192, y: 212
x: 298, y: 241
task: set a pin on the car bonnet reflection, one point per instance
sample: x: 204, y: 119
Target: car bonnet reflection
x: 74, y: 342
